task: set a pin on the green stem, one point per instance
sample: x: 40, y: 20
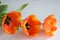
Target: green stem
x: 0, y: 2
x: 22, y: 7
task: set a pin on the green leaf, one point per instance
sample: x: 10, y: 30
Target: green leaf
x: 2, y: 14
x: 3, y: 8
x: 0, y: 23
x: 22, y: 7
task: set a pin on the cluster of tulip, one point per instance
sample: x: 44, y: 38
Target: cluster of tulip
x: 30, y: 25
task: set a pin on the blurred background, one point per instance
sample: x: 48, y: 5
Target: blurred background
x: 41, y: 8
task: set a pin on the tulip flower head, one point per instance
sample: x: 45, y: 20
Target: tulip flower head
x: 49, y: 25
x: 31, y: 25
x: 11, y: 22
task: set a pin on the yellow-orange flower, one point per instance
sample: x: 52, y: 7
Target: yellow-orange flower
x: 11, y: 22
x: 31, y: 25
x: 49, y: 25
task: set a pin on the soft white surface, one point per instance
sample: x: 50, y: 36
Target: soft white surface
x: 41, y: 8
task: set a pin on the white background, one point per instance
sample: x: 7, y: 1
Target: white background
x: 41, y: 8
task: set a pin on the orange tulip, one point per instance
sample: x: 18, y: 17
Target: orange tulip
x: 11, y: 22
x: 49, y: 25
x: 31, y: 25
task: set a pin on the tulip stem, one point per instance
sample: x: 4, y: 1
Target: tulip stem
x: 22, y: 7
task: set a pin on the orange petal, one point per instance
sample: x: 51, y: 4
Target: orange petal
x: 10, y: 29
x: 14, y: 15
x: 35, y: 22
x: 53, y: 28
x: 49, y: 24
x: 49, y: 33
x: 34, y: 30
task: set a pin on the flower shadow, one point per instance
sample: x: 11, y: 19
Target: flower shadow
x: 21, y: 36
x: 1, y: 32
